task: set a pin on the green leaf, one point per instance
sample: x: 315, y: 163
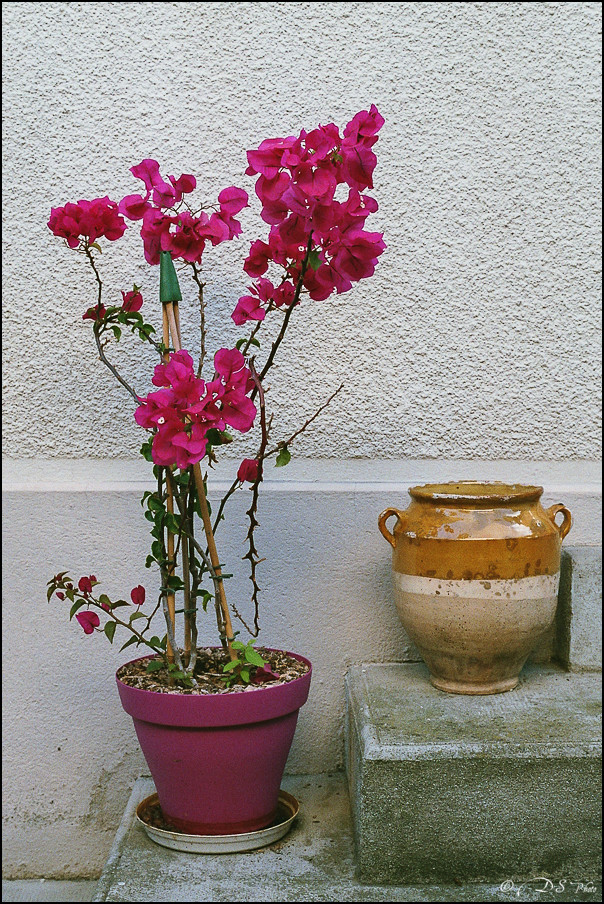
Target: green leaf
x: 104, y: 600
x: 136, y: 615
x: 77, y: 605
x: 145, y: 450
x: 253, y: 657
x: 205, y: 598
x: 116, y: 331
x: 109, y: 629
x: 157, y: 549
x: 314, y: 260
x: 237, y: 645
x: 154, y: 504
x: 149, y: 561
x: 254, y: 341
x: 50, y: 592
x: 95, y: 245
x: 70, y: 595
x: 218, y: 437
x: 129, y: 643
x: 119, y: 603
x: 283, y: 458
x: 244, y: 674
x: 155, y: 665
x: 174, y: 582
x: 231, y: 665
x: 172, y: 523
x: 155, y: 642
x: 240, y: 343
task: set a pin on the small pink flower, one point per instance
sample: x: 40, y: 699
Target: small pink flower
x: 256, y: 263
x: 60, y: 595
x: 85, y: 585
x: 88, y: 620
x: 137, y: 595
x: 248, y: 308
x: 133, y: 301
x: 248, y: 470
x: 96, y: 313
x: 134, y: 206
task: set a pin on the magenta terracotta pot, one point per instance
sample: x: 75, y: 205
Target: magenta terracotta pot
x: 217, y: 760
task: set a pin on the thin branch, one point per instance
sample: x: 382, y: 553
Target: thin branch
x: 202, y: 316
x: 237, y: 483
x: 286, y: 319
x: 252, y: 553
x: 306, y: 424
x: 102, y: 355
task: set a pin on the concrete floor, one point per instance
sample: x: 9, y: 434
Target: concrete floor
x: 35, y: 890
x: 314, y: 862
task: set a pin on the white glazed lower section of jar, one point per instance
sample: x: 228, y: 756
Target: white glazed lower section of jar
x: 542, y: 586
x: 476, y: 631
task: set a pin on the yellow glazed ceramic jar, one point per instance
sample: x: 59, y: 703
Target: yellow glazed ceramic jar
x: 476, y: 569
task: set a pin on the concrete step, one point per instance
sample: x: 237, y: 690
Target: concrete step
x: 313, y: 862
x: 448, y: 787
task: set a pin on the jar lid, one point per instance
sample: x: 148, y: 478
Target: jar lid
x: 475, y: 492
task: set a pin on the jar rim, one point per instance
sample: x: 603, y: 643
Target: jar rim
x: 476, y: 492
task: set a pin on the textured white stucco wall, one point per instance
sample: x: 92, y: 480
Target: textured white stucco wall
x: 477, y: 338
x: 478, y: 335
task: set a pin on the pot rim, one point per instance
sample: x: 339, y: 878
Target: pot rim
x: 258, y: 687
x: 267, y: 701
x: 476, y: 492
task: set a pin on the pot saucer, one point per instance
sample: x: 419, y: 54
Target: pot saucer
x: 148, y: 812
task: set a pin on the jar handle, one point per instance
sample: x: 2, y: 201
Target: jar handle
x: 567, y: 521
x: 382, y: 524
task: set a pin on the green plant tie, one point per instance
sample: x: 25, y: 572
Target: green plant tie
x: 169, y: 289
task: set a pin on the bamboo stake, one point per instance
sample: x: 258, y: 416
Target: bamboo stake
x: 177, y: 319
x: 169, y: 309
x: 205, y: 512
x: 187, y: 597
x: 171, y: 598
x: 207, y: 525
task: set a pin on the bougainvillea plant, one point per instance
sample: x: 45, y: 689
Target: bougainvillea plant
x: 312, y: 192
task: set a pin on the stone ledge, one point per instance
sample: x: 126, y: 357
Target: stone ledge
x: 579, y: 619
x: 451, y: 787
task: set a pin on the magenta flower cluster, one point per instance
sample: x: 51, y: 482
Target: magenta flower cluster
x: 186, y: 407
x: 298, y: 178
x: 92, y: 219
x: 182, y: 233
x: 312, y: 189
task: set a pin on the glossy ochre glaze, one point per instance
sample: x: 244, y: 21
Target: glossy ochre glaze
x: 476, y: 572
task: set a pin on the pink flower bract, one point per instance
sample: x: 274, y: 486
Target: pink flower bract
x: 248, y: 470
x: 88, y: 620
x: 137, y: 595
x: 133, y: 301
